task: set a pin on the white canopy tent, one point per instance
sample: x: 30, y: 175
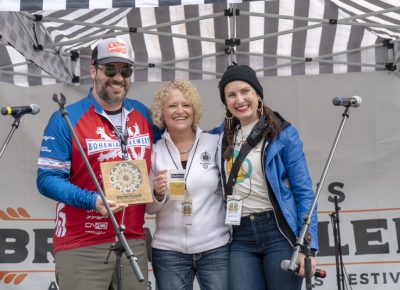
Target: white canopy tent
x: 305, y: 52
x: 198, y: 39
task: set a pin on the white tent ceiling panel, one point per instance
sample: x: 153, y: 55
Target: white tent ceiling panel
x: 35, y: 5
x: 172, y: 40
x: 377, y: 19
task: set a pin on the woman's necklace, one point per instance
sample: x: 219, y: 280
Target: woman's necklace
x: 191, y: 146
x: 244, y: 133
x: 186, y: 151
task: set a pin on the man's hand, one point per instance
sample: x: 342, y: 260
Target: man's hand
x: 101, y: 208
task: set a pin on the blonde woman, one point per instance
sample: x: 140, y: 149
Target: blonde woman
x: 191, y: 238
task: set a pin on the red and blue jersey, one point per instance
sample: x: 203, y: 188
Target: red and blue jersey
x: 64, y: 177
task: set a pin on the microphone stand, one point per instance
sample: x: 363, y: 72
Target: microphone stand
x: 338, y: 246
x: 15, y: 125
x: 307, y: 218
x: 307, y: 261
x: 122, y: 245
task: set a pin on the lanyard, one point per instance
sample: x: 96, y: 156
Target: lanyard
x: 123, y: 138
x: 122, y: 135
x: 191, y: 161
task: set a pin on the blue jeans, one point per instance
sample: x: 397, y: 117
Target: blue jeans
x: 176, y: 271
x: 256, y: 252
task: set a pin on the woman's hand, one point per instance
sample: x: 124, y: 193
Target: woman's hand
x: 160, y: 185
x: 300, y: 261
x: 101, y: 208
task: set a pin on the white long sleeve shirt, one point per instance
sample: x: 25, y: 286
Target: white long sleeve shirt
x: 208, y: 230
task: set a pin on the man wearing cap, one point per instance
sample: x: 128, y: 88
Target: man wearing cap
x: 109, y: 127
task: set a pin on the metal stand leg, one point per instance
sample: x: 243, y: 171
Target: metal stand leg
x: 338, y: 246
x: 8, y: 138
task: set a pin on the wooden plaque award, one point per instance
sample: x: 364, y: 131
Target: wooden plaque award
x: 126, y: 181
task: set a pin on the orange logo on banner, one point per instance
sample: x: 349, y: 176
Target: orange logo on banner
x: 15, y: 278
x: 117, y: 47
x: 11, y: 214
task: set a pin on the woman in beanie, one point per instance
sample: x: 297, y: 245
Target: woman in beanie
x: 271, y: 192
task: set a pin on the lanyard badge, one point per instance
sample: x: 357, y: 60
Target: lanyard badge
x: 187, y: 210
x: 233, y: 210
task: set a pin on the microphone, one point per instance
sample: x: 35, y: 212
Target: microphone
x: 20, y: 110
x: 318, y: 272
x: 347, y: 102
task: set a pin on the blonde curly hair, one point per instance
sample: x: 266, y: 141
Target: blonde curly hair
x: 190, y: 93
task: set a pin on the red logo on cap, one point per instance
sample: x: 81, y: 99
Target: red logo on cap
x: 117, y: 47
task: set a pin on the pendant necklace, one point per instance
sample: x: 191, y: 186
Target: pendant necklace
x: 187, y: 151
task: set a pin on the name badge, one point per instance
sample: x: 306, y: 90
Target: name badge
x: 233, y: 211
x: 187, y: 209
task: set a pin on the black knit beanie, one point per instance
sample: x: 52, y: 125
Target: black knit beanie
x: 240, y: 73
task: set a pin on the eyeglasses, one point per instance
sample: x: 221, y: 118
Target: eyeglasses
x: 111, y: 71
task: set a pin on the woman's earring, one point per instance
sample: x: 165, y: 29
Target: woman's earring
x: 260, y: 108
x: 228, y: 119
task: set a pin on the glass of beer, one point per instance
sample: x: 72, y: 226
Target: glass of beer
x: 176, y: 184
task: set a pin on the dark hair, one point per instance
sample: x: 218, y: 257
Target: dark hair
x: 273, y: 129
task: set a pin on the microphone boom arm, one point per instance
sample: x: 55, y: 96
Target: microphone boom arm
x: 307, y: 220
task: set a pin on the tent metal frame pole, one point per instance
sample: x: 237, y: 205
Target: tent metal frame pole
x: 172, y: 61
x: 122, y: 28
x: 301, y: 60
x: 230, y: 50
x: 159, y: 33
x: 191, y: 58
x: 27, y: 31
x: 81, y: 23
x: 83, y: 39
x: 27, y: 74
x: 308, y: 27
x: 34, y: 40
x: 348, y: 51
x: 344, y: 21
x: 43, y: 76
x: 58, y: 52
x: 165, y: 65
x: 142, y: 64
x: 321, y: 58
x: 396, y: 56
x: 173, y: 68
x: 231, y: 47
x: 207, y: 39
x: 188, y: 20
x: 15, y: 65
x: 231, y: 32
x: 125, y: 30
x: 185, y: 69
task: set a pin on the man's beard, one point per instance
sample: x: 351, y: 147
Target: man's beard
x: 106, y: 96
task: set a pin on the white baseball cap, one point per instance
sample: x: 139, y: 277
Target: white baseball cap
x: 112, y: 50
